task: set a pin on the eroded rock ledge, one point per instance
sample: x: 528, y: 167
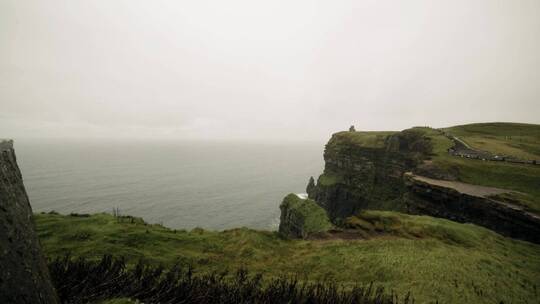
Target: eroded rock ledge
x: 472, y: 204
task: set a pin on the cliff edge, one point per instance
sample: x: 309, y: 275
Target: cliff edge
x: 25, y: 277
x: 414, y: 171
x: 363, y: 170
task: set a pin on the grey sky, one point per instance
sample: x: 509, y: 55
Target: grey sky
x: 263, y: 69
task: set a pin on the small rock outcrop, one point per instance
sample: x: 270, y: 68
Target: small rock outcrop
x: 302, y: 217
x: 23, y: 269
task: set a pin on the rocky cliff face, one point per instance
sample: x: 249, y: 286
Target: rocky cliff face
x: 363, y: 170
x: 24, y: 274
x: 367, y: 170
x: 472, y: 204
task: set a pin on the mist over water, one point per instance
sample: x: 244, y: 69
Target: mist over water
x: 214, y: 185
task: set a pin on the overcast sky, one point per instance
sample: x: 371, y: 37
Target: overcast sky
x: 291, y: 70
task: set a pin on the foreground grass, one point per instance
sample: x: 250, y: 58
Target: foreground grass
x: 119, y: 301
x: 435, y: 259
x: 83, y: 281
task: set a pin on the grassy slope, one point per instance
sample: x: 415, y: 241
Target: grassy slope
x: 518, y: 140
x: 513, y: 139
x: 518, y: 177
x: 432, y: 258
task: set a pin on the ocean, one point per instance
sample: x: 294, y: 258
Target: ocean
x: 182, y: 185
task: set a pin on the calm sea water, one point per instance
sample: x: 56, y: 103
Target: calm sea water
x: 179, y: 184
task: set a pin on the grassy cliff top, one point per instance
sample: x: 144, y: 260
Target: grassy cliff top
x: 370, y: 139
x: 435, y: 259
x: 512, y: 139
x: 497, y: 129
x: 524, y: 179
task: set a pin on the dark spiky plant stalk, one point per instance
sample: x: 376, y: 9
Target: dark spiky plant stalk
x: 84, y: 281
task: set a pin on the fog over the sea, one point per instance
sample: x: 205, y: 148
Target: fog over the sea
x: 273, y: 70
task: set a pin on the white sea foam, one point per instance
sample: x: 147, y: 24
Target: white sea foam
x: 302, y: 195
x: 275, y: 224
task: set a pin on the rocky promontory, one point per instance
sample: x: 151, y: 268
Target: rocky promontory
x: 413, y: 172
x: 24, y: 274
x: 363, y: 170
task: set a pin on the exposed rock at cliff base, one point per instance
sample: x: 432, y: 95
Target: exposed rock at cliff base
x: 24, y: 274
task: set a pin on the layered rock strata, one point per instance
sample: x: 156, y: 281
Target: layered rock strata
x: 368, y: 170
x: 467, y: 203
x: 364, y: 175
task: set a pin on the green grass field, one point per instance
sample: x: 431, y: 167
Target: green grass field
x: 522, y: 178
x: 435, y: 259
x: 512, y: 139
x: 370, y: 139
